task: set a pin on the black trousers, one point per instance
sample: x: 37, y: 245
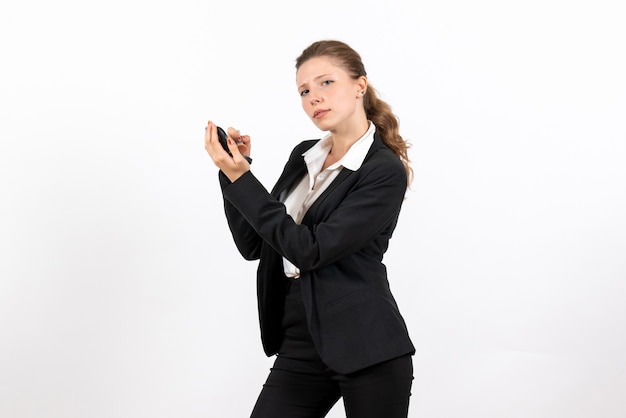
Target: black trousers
x: 300, y: 385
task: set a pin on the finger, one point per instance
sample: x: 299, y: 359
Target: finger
x: 243, y: 149
x: 233, y: 147
x: 234, y: 134
x: 211, y: 140
x: 245, y: 141
x: 245, y: 146
x: 209, y: 133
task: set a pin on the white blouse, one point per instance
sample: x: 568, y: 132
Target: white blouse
x: 313, y: 184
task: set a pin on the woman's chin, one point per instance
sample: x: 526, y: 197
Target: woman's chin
x: 322, y: 125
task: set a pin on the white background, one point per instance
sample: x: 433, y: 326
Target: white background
x: 122, y: 294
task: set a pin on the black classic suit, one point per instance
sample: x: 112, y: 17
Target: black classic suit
x: 352, y: 316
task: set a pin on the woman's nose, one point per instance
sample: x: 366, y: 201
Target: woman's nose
x: 314, y: 98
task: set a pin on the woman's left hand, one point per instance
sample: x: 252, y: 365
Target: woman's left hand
x: 233, y: 167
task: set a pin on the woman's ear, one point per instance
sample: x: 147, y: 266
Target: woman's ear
x: 361, y: 84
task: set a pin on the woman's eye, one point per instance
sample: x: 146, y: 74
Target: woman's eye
x: 327, y: 82
x: 304, y: 93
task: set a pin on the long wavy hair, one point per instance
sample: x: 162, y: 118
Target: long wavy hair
x: 376, y: 109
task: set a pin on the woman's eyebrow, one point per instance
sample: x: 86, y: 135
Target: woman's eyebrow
x: 316, y: 78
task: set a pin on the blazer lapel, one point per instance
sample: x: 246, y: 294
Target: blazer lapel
x: 343, y: 175
x: 287, y: 180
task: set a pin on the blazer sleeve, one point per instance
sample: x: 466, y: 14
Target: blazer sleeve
x: 247, y: 241
x: 370, y: 206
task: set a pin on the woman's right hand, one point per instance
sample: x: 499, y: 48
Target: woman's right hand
x: 233, y: 163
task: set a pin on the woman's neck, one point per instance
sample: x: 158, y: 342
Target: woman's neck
x: 343, y: 139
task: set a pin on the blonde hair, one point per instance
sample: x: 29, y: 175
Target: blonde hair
x: 376, y: 109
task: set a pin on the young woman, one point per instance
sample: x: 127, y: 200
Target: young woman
x: 326, y: 310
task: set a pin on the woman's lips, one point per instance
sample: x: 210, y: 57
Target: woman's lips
x: 319, y: 114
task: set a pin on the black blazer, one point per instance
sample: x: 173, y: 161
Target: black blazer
x: 352, y: 316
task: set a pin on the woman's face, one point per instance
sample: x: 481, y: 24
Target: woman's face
x: 330, y: 97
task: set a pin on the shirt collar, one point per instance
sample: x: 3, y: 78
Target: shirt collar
x: 352, y: 159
